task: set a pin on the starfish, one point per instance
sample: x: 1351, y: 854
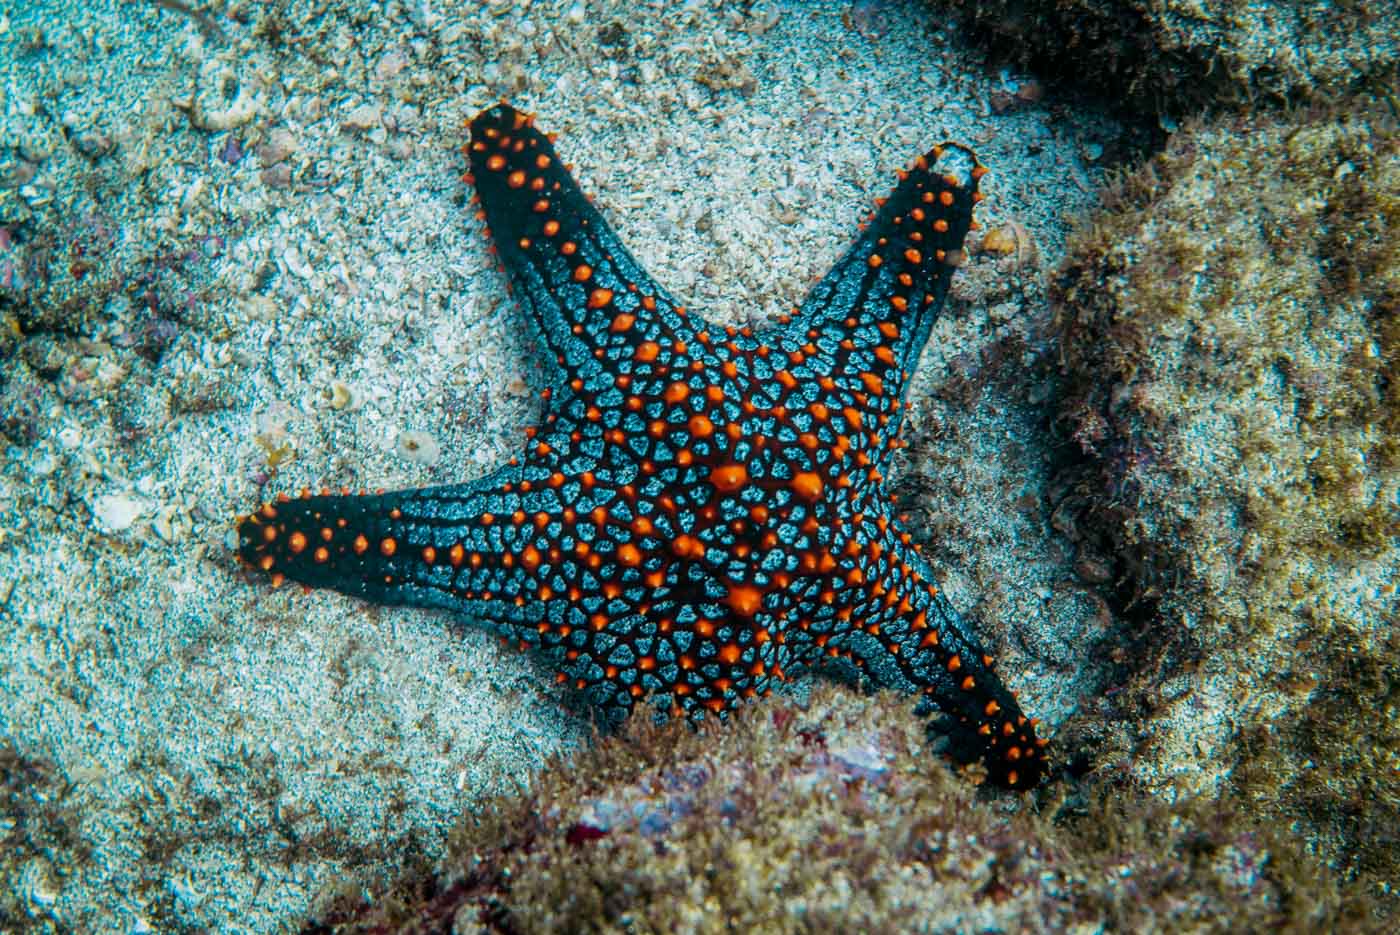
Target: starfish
x: 702, y: 512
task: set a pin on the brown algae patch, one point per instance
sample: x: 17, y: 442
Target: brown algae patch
x: 832, y: 816
x: 1231, y: 329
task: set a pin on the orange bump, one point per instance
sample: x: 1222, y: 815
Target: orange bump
x: 496, y: 162
x: 582, y: 272
x: 296, y: 542
x: 746, y: 600
x: 729, y: 477
x: 628, y: 555
x: 516, y: 179
x: 701, y: 426
x: 808, y: 485
x: 388, y: 546
x: 687, y: 546
x: 599, y: 297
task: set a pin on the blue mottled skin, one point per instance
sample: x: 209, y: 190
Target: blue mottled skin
x: 703, y: 510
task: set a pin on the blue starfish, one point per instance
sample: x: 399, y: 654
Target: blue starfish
x: 703, y: 511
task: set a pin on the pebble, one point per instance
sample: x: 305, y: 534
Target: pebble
x: 295, y: 264
x: 280, y: 144
x: 94, y: 145
x: 117, y: 512
x: 36, y: 884
x: 343, y: 396
x: 362, y: 118
x: 278, y: 176
x: 44, y: 461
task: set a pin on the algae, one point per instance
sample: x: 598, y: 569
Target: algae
x: 834, y: 816
x: 1228, y: 332
x: 1177, y: 56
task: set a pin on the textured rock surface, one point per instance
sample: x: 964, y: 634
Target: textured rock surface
x: 1231, y: 327
x: 829, y: 817
x: 1174, y: 55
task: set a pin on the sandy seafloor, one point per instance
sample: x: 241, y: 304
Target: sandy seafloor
x: 280, y: 259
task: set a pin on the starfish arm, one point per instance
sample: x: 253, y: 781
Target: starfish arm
x: 460, y: 546
x: 906, y: 635
x: 591, y: 302
x: 529, y: 550
x: 873, y: 311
